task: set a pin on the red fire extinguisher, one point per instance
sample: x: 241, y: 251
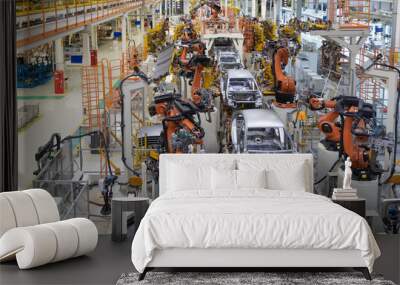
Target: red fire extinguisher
x: 59, y: 82
x: 93, y: 57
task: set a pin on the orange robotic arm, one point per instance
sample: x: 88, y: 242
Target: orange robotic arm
x: 174, y: 122
x: 358, y: 154
x: 196, y: 84
x: 354, y: 146
x: 182, y: 58
x: 177, y: 118
x: 285, y: 86
x: 328, y: 126
x: 327, y: 123
x: 200, y: 97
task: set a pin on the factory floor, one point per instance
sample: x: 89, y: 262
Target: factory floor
x: 111, y: 259
x: 57, y: 113
x: 103, y: 266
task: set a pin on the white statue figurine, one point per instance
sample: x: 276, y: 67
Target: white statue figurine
x: 347, y: 174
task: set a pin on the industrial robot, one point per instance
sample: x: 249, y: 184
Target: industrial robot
x: 350, y: 128
x: 181, y: 129
x: 284, y: 85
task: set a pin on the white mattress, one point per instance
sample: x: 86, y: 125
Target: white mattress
x: 251, y: 219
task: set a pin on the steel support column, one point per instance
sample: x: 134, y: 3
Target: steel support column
x: 59, y: 54
x: 264, y: 9
x: 299, y: 5
x: 277, y: 11
x: 129, y: 27
x: 153, y: 15
x: 226, y: 9
x: 142, y: 14
x: 254, y: 8
x: 186, y: 7
x: 391, y: 79
x: 123, y: 33
x: 85, y: 48
x: 93, y: 36
x: 396, y: 24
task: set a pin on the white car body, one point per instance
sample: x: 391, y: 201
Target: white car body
x: 239, y: 88
x: 228, y: 60
x: 259, y: 131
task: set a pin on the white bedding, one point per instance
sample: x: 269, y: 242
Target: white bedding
x: 252, y: 218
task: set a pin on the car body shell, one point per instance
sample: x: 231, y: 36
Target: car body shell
x: 247, y: 122
x: 227, y: 60
x: 239, y: 88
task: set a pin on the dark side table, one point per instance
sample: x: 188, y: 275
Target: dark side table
x: 356, y: 205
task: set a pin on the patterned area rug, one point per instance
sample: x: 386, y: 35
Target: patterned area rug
x: 243, y: 278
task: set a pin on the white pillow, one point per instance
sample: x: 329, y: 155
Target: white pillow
x: 251, y: 178
x: 279, y: 179
x: 188, y: 177
x: 223, y: 179
x: 291, y: 175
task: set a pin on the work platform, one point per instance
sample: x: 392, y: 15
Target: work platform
x: 236, y: 37
x: 38, y: 26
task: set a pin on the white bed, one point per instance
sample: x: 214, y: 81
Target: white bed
x: 219, y: 224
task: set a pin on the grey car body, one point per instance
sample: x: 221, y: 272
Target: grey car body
x: 228, y: 60
x: 223, y: 44
x: 238, y: 87
x: 259, y: 131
